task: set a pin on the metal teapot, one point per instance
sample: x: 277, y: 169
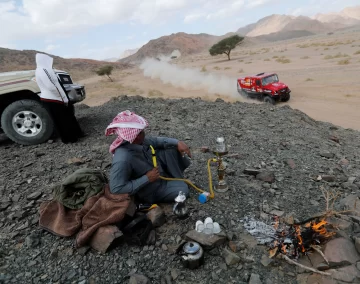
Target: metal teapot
x: 192, y: 255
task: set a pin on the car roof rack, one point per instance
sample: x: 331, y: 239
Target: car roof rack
x: 260, y: 74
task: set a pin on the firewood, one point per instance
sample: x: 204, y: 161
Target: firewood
x: 320, y: 252
x: 290, y: 261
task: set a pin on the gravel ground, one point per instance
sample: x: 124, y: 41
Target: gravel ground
x: 272, y: 139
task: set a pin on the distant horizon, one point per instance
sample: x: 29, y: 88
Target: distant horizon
x: 93, y: 30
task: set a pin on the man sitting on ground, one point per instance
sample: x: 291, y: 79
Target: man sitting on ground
x: 132, y: 169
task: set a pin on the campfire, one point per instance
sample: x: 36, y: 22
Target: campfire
x: 296, y: 240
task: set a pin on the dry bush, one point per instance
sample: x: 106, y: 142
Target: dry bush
x: 326, y: 44
x: 240, y: 60
x: 338, y: 55
x: 241, y: 71
x: 305, y: 57
x: 267, y: 59
x: 265, y: 50
x: 283, y: 60
x: 275, y: 56
x: 248, y: 62
x: 227, y: 68
x: 155, y: 93
x: 357, y: 52
x: 344, y: 62
x: 217, y: 68
x: 203, y: 69
x: 326, y: 48
x: 309, y: 79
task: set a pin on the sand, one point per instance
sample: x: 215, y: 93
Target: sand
x: 322, y: 71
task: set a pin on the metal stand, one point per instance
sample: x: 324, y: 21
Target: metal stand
x: 222, y: 185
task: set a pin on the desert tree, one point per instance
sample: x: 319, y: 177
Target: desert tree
x: 226, y: 45
x: 105, y: 70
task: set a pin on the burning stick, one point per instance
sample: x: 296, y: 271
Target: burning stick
x: 320, y: 252
x: 303, y: 266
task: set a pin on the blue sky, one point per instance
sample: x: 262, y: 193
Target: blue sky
x: 100, y: 29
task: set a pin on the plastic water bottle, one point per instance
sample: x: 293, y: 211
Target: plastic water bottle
x: 204, y: 197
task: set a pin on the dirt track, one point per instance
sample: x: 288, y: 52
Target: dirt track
x: 321, y: 86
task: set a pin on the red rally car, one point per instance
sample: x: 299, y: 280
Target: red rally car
x: 265, y: 87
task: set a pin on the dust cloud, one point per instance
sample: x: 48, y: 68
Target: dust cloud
x: 190, y: 79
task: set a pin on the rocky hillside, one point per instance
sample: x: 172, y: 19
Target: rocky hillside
x: 320, y: 23
x: 13, y: 60
x: 165, y: 45
x: 295, y: 155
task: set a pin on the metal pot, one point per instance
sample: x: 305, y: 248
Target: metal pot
x: 192, y: 255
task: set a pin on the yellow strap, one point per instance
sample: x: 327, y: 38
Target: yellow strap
x: 212, y: 195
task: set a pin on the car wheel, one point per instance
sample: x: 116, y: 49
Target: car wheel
x: 269, y: 100
x: 287, y: 98
x: 27, y: 122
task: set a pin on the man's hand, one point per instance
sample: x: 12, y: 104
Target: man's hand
x: 183, y: 148
x: 153, y: 175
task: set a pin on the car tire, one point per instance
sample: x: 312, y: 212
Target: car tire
x: 269, y: 100
x: 286, y: 99
x: 27, y: 122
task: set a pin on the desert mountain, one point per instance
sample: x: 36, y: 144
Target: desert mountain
x: 165, y: 45
x: 13, y: 60
x: 318, y: 24
x: 348, y: 16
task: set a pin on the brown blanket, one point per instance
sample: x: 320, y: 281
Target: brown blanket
x: 100, y: 210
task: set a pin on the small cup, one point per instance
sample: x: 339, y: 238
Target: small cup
x: 208, y: 231
x: 208, y: 220
x: 199, y: 227
x: 216, y: 229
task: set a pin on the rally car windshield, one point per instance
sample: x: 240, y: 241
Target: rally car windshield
x: 269, y: 80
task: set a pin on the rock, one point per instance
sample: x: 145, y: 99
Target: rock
x: 334, y: 138
x: 252, y: 172
x: 237, y: 246
x: 131, y: 262
x: 175, y: 273
x: 357, y: 244
x: 4, y: 206
x: 206, y: 240
x: 35, y: 195
x: 33, y: 240
x: 139, y: 279
x: 164, y: 247
x: 277, y: 213
x: 204, y: 149
x: 75, y: 161
x: 104, y: 237
x: 327, y: 155
x: 156, y: 216
x: 328, y: 178
x: 340, y: 252
x: 230, y: 257
x: 348, y: 274
x: 344, y: 162
x: 291, y: 163
x: 265, y: 260
x: 83, y: 250
x: 266, y: 177
x: 348, y: 203
x: 255, y: 279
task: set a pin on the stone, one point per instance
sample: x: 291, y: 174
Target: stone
x: 139, y: 279
x: 204, y: 149
x: 207, y: 241
x: 327, y: 155
x: 265, y: 260
x: 75, y: 161
x: 340, y: 252
x: 104, y: 237
x: 252, y: 172
x: 83, y: 250
x: 35, y: 195
x: 156, y: 216
x: 277, y: 213
x: 164, y: 247
x: 230, y: 257
x: 33, y: 240
x: 328, y: 178
x: 344, y: 162
x: 291, y: 163
x: 266, y: 177
x: 237, y: 246
x: 348, y: 203
x: 255, y: 279
x: 334, y: 138
x: 348, y: 274
x: 357, y: 244
x: 174, y: 274
x: 131, y: 262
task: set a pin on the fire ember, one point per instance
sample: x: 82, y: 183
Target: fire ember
x: 296, y: 240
